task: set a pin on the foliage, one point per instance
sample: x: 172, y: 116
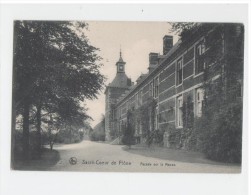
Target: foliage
x: 221, y: 124
x: 146, y: 113
x: 128, y: 134
x: 97, y: 136
x: 174, y: 136
x: 218, y: 132
x: 221, y: 139
x: 98, y: 132
x: 54, y: 68
x: 18, y: 150
x: 155, y: 137
x: 188, y: 137
x: 183, y: 29
x: 69, y: 135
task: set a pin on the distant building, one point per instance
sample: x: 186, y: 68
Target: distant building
x: 173, y: 78
x: 98, y: 132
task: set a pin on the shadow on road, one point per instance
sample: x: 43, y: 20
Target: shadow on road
x: 173, y: 155
x: 48, y: 159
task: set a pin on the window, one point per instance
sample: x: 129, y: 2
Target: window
x: 179, y: 111
x: 199, y: 101
x: 156, y: 87
x: 200, y: 63
x: 179, y: 72
x: 151, y: 89
x: 156, y: 119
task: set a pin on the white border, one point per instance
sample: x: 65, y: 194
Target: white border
x: 64, y: 183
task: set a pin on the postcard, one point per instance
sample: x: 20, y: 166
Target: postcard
x: 119, y: 96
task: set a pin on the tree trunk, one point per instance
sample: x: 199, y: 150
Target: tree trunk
x: 26, y: 132
x: 51, y: 145
x: 39, y: 143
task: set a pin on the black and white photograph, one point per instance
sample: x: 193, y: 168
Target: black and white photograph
x: 127, y: 96
x: 133, y: 97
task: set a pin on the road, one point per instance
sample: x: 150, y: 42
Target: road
x: 100, y: 157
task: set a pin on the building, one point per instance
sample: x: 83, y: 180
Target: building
x: 120, y: 85
x: 174, y: 78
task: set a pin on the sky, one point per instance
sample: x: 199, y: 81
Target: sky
x: 136, y: 40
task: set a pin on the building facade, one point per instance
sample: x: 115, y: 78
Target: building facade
x: 174, y: 78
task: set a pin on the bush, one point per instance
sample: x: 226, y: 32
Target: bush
x: 158, y: 137
x: 174, y: 136
x: 66, y: 136
x: 128, y: 140
x: 129, y: 130
x: 97, y: 135
x: 220, y: 134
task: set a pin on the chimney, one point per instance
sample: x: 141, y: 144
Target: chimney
x: 167, y: 44
x: 153, y: 61
x: 129, y: 82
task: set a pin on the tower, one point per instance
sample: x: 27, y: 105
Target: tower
x: 113, y: 91
x: 120, y: 64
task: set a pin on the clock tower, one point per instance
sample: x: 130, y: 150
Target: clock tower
x: 120, y: 64
x: 120, y: 84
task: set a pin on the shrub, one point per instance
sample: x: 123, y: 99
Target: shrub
x: 174, y: 136
x: 220, y: 134
x: 158, y: 137
x: 128, y: 134
x: 97, y: 135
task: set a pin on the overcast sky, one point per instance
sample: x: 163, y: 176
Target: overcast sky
x: 137, y: 40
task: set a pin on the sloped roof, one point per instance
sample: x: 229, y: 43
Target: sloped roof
x: 120, y: 59
x: 146, y: 76
x: 141, y: 77
x: 120, y: 80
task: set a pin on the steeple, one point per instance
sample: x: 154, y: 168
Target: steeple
x: 120, y: 80
x: 120, y: 54
x: 120, y: 64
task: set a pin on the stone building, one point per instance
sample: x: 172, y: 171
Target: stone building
x: 174, y: 78
x: 120, y: 84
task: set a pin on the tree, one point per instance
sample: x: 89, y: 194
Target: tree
x: 98, y: 133
x: 53, y: 63
x: 183, y: 29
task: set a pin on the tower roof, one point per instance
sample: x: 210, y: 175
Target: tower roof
x: 121, y: 81
x: 120, y: 57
